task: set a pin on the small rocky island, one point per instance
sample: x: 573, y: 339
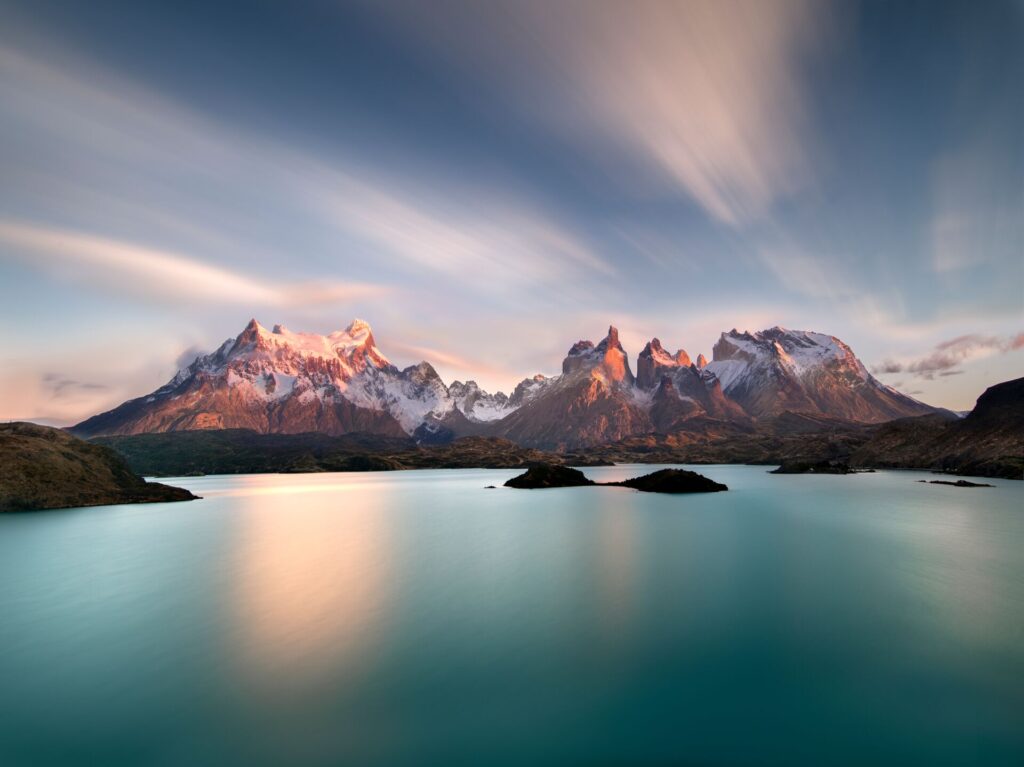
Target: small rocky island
x: 664, y: 481
x: 546, y: 475
x: 813, y: 467
x: 46, y: 468
x: 958, y: 483
x: 673, y: 481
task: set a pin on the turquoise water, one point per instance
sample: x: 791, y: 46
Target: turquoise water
x: 418, y: 618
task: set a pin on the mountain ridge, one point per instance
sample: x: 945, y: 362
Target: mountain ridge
x: 279, y: 381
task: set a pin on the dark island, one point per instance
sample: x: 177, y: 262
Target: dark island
x: 958, y: 483
x: 544, y: 476
x: 813, y: 467
x: 673, y: 481
x: 549, y: 475
x: 46, y: 468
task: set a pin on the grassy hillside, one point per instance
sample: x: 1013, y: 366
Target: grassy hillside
x: 46, y: 468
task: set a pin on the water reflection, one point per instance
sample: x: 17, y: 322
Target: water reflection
x: 615, y: 565
x: 311, y: 578
x: 418, y: 618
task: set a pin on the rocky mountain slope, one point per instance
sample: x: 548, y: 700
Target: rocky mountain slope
x: 46, y: 468
x: 277, y: 381
x: 989, y: 442
x: 594, y: 400
x: 682, y: 389
x: 780, y: 370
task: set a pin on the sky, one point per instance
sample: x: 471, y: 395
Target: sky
x: 486, y: 183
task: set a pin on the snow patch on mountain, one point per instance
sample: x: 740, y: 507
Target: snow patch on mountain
x: 738, y: 356
x: 477, y: 405
x: 279, y: 380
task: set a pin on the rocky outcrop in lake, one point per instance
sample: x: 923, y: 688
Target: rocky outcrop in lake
x: 663, y: 481
x: 958, y: 483
x: 672, y: 481
x: 547, y: 476
x: 813, y: 467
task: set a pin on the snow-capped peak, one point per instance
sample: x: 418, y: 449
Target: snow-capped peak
x: 355, y: 346
x: 281, y: 380
x: 782, y: 369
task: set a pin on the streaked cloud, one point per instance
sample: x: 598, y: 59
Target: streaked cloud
x: 814, y: 276
x: 488, y: 241
x: 708, y: 92
x: 144, y: 156
x: 135, y: 269
x: 978, y: 208
x: 451, y: 365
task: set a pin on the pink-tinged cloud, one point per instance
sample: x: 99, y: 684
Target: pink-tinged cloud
x: 947, y: 356
x: 455, y: 365
x: 136, y: 269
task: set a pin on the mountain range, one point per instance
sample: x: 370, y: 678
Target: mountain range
x: 279, y: 381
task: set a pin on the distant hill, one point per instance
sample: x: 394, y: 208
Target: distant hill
x: 988, y: 442
x: 46, y: 468
x: 242, y: 451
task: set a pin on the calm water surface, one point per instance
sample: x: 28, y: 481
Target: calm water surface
x: 418, y: 618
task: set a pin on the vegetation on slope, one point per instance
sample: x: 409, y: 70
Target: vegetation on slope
x: 46, y: 468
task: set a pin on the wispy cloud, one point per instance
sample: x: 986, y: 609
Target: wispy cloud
x: 488, y: 240
x: 708, y: 92
x: 977, y: 217
x: 452, y: 365
x: 945, y: 358
x: 820, y: 276
x: 136, y: 269
x: 61, y: 386
x: 145, y: 157
x: 189, y: 355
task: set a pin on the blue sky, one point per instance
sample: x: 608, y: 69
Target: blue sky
x: 488, y: 182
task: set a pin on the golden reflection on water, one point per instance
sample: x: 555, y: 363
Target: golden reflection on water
x: 616, y: 562
x: 310, y: 577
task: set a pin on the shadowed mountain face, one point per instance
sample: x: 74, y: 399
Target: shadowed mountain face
x: 989, y: 442
x: 46, y: 468
x: 682, y: 389
x: 277, y: 381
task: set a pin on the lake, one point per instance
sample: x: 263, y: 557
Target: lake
x: 417, y: 618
